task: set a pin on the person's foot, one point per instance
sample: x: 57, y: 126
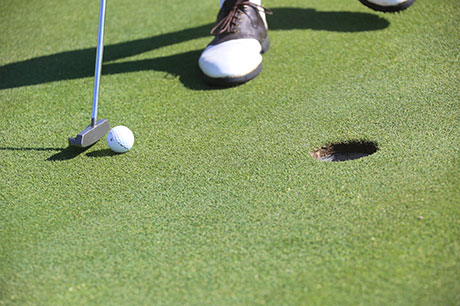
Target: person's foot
x: 387, y: 5
x: 234, y: 55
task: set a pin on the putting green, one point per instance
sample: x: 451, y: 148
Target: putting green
x: 219, y: 202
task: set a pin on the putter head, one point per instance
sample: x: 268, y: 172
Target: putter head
x: 91, y: 134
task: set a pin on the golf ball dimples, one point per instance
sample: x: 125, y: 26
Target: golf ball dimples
x: 120, y: 139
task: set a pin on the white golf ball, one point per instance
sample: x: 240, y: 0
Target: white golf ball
x: 120, y: 139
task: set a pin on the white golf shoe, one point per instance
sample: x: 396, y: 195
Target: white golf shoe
x: 234, y: 56
x: 387, y: 5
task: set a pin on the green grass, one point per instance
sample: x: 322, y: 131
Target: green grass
x: 219, y: 201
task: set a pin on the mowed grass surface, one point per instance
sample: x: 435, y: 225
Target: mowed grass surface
x: 219, y: 201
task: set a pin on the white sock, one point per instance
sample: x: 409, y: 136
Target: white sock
x: 258, y: 2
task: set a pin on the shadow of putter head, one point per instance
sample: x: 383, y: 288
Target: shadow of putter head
x: 91, y: 134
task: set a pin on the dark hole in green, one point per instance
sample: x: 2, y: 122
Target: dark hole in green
x: 344, y: 151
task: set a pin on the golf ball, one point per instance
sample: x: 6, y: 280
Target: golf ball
x: 120, y: 139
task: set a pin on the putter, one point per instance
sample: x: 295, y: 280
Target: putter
x: 97, y: 129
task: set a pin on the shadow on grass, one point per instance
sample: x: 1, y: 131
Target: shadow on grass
x: 102, y: 153
x: 30, y: 149
x: 67, y: 153
x: 80, y: 63
x: 63, y: 154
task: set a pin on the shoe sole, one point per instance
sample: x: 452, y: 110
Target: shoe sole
x: 388, y: 9
x: 233, y: 81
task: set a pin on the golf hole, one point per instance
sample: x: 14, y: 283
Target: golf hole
x: 344, y: 151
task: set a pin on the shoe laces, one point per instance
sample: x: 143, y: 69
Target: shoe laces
x: 234, y: 8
